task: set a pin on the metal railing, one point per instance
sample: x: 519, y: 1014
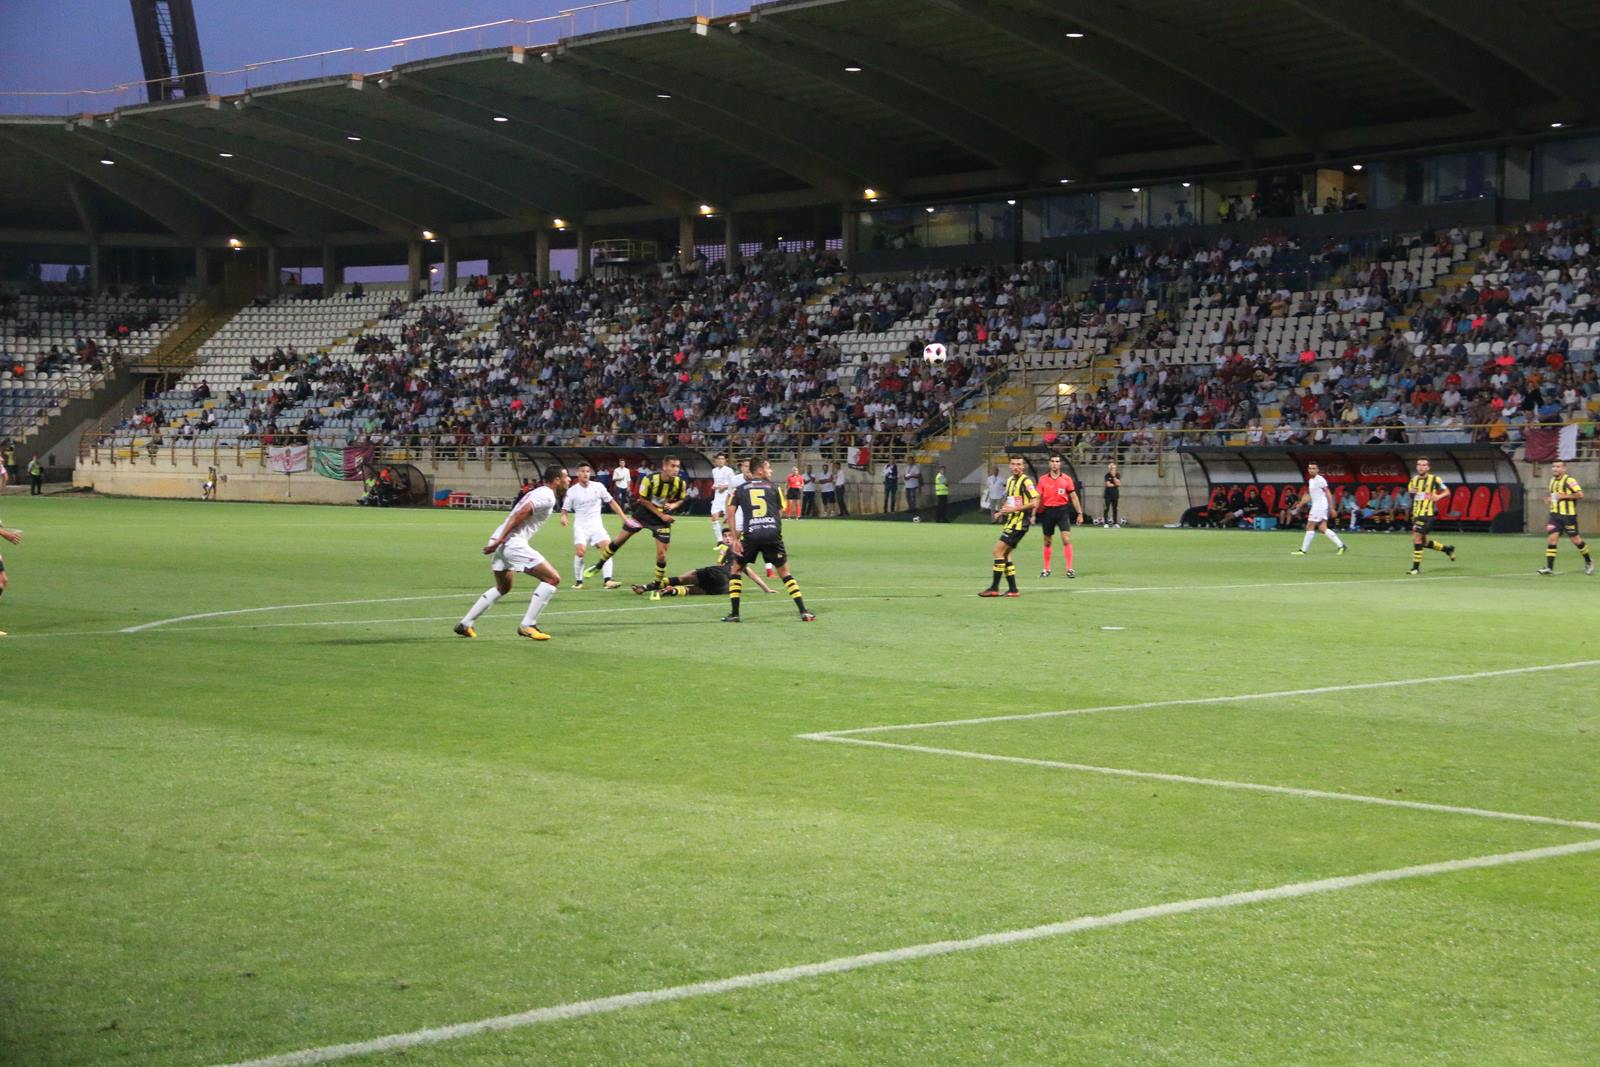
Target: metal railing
x: 546, y: 32
x: 1153, y: 446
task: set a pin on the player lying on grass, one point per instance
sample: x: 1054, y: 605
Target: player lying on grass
x: 510, y: 547
x: 15, y: 537
x: 709, y: 581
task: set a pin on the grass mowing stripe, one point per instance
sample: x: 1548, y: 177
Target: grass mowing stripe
x: 830, y: 735
x: 757, y: 979
x: 1221, y: 783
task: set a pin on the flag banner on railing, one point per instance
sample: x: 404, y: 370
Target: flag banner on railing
x: 1541, y: 443
x: 287, y: 459
x: 1568, y: 448
x: 341, y: 464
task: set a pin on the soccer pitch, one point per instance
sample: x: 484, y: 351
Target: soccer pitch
x: 261, y: 805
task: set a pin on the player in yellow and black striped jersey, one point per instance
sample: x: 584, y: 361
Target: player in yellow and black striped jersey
x: 1427, y: 491
x: 655, y: 499
x: 1565, y: 492
x: 1021, y: 497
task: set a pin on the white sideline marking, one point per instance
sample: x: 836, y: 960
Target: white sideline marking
x: 829, y: 735
x: 620, y: 1002
x: 279, y: 607
x: 1221, y: 783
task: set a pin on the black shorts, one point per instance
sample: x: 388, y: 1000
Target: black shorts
x: 1112, y: 494
x: 1057, y: 518
x: 713, y: 580
x: 1562, y: 524
x: 772, y: 551
x: 1423, y: 524
x: 661, y: 531
x: 1013, y: 538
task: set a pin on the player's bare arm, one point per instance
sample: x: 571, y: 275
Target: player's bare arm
x: 14, y: 536
x: 1077, y: 506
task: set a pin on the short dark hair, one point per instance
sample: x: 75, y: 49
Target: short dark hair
x: 552, y: 472
x: 582, y: 463
x: 1056, y: 458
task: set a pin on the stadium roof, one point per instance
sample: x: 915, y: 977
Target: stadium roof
x: 806, y: 102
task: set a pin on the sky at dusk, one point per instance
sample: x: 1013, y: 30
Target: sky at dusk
x: 89, y: 44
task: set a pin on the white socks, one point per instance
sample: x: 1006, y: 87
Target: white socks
x: 605, y: 570
x: 1334, y: 537
x: 541, y: 597
x: 485, y: 602
x: 577, y: 569
x: 1305, y: 542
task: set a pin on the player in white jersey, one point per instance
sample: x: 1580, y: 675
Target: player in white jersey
x: 1320, y: 502
x: 584, y: 499
x: 512, y: 551
x: 722, y: 484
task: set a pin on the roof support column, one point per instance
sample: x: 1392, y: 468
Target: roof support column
x: 449, y: 264
x: 202, y: 273
x: 685, y: 242
x: 414, y: 279
x: 94, y: 265
x: 730, y: 238
x: 273, y: 272
x: 847, y: 224
x: 330, y: 270
x: 541, y: 257
x: 585, y: 252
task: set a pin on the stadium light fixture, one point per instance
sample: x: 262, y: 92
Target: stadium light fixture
x: 501, y: 118
x: 1134, y: 189
x: 1075, y: 34
x: 1011, y: 203
x: 1355, y: 166
x: 870, y: 193
x: 1557, y: 125
x: 559, y: 224
x: 1186, y: 185
x: 108, y: 162
x: 235, y: 244
x: 225, y: 155
x: 351, y: 137
x: 852, y: 70
x: 929, y: 210
x: 427, y: 235
x: 433, y: 270
x: 706, y: 209
x: 663, y: 96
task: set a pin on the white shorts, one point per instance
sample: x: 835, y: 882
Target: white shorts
x: 515, y: 556
x: 589, y: 533
x: 1317, y: 515
x: 719, y: 502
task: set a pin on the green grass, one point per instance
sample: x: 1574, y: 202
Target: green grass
x: 255, y: 833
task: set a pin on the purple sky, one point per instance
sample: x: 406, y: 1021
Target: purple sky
x: 89, y: 44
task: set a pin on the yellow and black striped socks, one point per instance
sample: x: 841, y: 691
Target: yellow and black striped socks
x: 1583, y: 546
x: 1011, y: 576
x: 792, y: 587
x: 1416, y: 557
x: 1550, y: 556
x: 999, y: 573
x: 735, y: 589
x: 661, y: 574
x: 1437, y: 546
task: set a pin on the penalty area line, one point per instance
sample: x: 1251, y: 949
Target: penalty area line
x: 782, y: 975
x: 1234, y: 698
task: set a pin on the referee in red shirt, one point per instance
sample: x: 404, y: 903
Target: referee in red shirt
x: 1057, y: 492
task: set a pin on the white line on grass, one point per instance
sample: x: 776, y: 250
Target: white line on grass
x: 281, y: 607
x: 603, y: 1005
x: 829, y: 735
x: 1221, y: 783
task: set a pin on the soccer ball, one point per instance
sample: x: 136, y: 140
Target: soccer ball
x: 916, y: 518
x: 934, y: 353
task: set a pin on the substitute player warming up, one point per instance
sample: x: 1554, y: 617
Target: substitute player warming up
x: 1565, y: 492
x: 757, y: 533
x: 1427, y: 490
x: 1021, y: 499
x: 1058, y: 492
x: 509, y: 545
x: 1320, y: 501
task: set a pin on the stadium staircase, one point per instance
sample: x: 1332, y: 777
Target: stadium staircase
x: 180, y: 346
